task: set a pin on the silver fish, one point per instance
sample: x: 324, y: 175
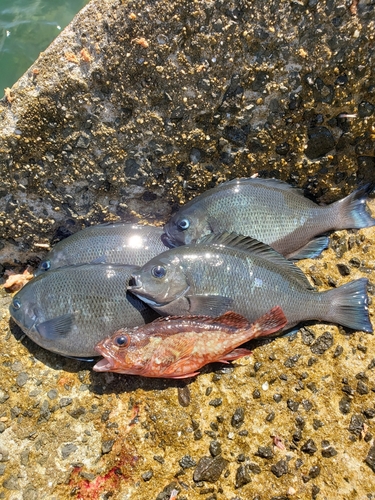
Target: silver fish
x: 271, y: 211
x: 118, y: 243
x: 231, y: 272
x: 69, y: 310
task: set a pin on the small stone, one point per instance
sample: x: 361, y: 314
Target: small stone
x: 307, y: 404
x: 317, y: 424
x: 344, y: 269
x: 290, y: 362
x: 370, y: 366
x: 264, y: 452
x: 254, y: 468
x: 362, y: 388
x: 277, y: 398
x: 344, y: 405
x: 292, y: 405
x: 322, y: 343
x: 328, y: 451
x: 356, y: 424
x: 348, y: 390
x: 11, y: 483
x: 308, y: 336
x: 280, y: 468
x: 159, y: 459
x: 319, y: 143
x: 314, y: 472
x: 242, y: 476
x: 270, y: 417
x: 338, y: 351
x: 215, y: 448
x: 314, y: 491
x: 187, y: 461
x: 146, y: 476
x: 256, y: 394
x: 107, y: 446
x: 238, y: 418
x: 309, y: 447
x: 368, y: 413
x: 65, y: 402
x: 21, y: 379
x: 52, y: 394
x: 209, y: 469
x: 68, y: 449
x: 216, y: 402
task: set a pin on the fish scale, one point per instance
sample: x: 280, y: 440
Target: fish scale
x: 271, y: 211
x: 232, y: 272
x: 119, y: 243
x: 69, y: 310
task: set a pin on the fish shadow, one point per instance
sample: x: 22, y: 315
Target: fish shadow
x: 50, y: 359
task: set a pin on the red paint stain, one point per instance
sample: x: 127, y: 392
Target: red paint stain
x: 84, y: 489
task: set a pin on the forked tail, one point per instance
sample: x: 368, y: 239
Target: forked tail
x: 352, y: 210
x: 349, y: 305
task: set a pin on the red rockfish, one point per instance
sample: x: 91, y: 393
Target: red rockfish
x: 178, y: 346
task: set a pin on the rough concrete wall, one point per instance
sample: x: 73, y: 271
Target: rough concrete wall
x: 137, y: 107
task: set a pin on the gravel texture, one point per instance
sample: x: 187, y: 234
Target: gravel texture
x: 134, y: 109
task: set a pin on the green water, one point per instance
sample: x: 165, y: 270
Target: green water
x: 27, y: 27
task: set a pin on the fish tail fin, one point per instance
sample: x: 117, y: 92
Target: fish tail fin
x: 349, y: 305
x: 352, y: 210
x: 271, y: 322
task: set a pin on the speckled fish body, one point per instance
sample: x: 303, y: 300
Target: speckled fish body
x: 69, y: 310
x: 271, y: 211
x: 118, y: 243
x: 232, y: 272
x: 177, y: 347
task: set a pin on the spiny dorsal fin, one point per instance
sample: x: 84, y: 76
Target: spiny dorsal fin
x: 270, y: 183
x: 255, y: 247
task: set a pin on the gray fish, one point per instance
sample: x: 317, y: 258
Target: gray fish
x: 69, y: 310
x: 271, y: 211
x: 118, y: 243
x: 231, y: 272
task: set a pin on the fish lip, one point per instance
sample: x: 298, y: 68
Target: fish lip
x: 103, y: 365
x: 166, y: 240
x: 137, y: 283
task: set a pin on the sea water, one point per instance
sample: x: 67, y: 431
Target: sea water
x: 27, y: 27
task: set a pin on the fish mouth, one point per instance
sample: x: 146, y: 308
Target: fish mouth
x: 166, y: 240
x: 105, y: 364
x: 135, y: 283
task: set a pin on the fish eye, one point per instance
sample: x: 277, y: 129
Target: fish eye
x: 183, y: 224
x: 16, y: 304
x: 158, y: 272
x: 122, y: 340
x: 45, y: 265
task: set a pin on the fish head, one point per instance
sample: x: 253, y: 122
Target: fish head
x: 24, y: 309
x: 187, y: 226
x: 161, y: 281
x: 125, y: 352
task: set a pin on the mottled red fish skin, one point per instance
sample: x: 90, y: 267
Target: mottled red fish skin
x: 177, y: 347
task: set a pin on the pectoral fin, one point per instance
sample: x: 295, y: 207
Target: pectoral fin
x: 212, y: 305
x: 171, y: 351
x: 56, y: 327
x: 312, y: 249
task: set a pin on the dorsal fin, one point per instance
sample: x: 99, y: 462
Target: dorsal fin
x: 255, y: 247
x: 270, y: 182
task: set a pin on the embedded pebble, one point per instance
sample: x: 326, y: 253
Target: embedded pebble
x: 322, y: 343
x: 238, y: 418
x: 187, y: 461
x: 370, y: 459
x: 242, y: 476
x: 356, y: 424
x: 309, y: 447
x: 264, y: 452
x: 280, y: 468
x: 209, y: 469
